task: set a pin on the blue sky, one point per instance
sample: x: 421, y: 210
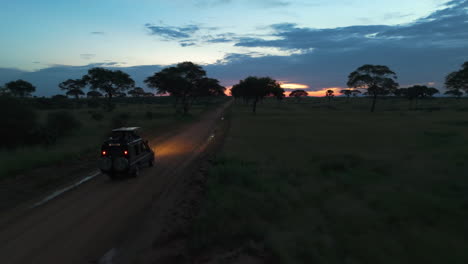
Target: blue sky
x: 315, y: 42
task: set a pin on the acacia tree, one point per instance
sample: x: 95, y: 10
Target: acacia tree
x: 458, y: 80
x: 256, y: 88
x: 94, y: 94
x: 350, y: 92
x: 455, y: 92
x: 377, y: 79
x: 73, y: 87
x: 209, y: 87
x: 20, y: 88
x: 185, y: 82
x: 137, y: 92
x: 112, y: 83
x: 298, y: 94
x: 329, y: 94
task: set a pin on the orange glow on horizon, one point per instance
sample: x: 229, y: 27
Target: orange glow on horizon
x: 286, y: 85
x: 321, y: 93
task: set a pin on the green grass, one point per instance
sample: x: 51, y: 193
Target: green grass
x: 313, y: 184
x: 86, y: 141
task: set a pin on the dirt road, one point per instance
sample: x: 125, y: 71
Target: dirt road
x: 85, y: 224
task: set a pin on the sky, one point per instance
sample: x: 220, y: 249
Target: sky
x: 310, y: 44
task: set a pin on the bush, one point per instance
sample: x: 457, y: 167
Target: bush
x: 62, y: 123
x: 120, y: 120
x: 149, y: 115
x: 94, y: 103
x: 96, y: 116
x: 18, y: 121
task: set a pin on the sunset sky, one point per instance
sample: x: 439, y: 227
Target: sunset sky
x: 310, y: 45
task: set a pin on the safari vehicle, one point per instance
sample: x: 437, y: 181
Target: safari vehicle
x: 124, y: 153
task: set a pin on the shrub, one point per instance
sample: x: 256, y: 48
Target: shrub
x: 97, y: 116
x: 94, y: 103
x: 18, y: 121
x: 149, y: 115
x: 62, y: 123
x: 120, y: 120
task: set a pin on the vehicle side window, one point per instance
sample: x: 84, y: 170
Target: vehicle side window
x: 137, y: 149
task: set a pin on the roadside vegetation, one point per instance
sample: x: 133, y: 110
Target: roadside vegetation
x: 302, y: 182
x: 45, y: 131
x: 41, y: 136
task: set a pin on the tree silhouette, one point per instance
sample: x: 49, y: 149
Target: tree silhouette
x: 209, y: 87
x: 350, y: 92
x: 112, y: 83
x: 377, y: 79
x: 329, y: 94
x: 458, y: 80
x: 73, y: 87
x: 185, y: 82
x: 137, y: 92
x: 298, y: 94
x: 94, y: 94
x: 256, y: 88
x: 455, y: 92
x: 20, y: 88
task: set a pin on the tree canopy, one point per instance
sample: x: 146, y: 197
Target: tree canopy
x: 298, y: 93
x: 349, y: 92
x: 20, y: 88
x: 73, y: 87
x: 185, y: 81
x: 257, y: 88
x: 94, y: 94
x: 455, y: 92
x: 376, y: 79
x: 110, y: 82
x: 458, y: 80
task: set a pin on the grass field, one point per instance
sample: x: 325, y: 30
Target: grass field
x: 155, y: 115
x: 309, y: 183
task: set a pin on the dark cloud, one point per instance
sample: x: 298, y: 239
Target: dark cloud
x: 97, y: 33
x: 421, y: 52
x: 446, y: 27
x: 172, y: 33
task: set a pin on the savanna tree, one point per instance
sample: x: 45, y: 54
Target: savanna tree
x: 298, y: 94
x: 137, y: 92
x: 94, y: 94
x: 257, y: 88
x: 73, y: 87
x: 350, y: 92
x: 111, y: 82
x: 329, y: 94
x: 185, y: 81
x: 458, y: 80
x: 20, y: 88
x: 209, y: 87
x: 377, y: 79
x: 454, y: 92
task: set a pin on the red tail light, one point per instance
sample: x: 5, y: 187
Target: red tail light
x: 126, y: 152
x: 104, y: 153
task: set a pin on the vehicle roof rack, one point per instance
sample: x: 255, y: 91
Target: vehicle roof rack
x: 125, y: 129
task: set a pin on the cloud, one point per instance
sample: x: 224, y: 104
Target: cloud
x: 87, y: 56
x: 97, y: 33
x: 424, y: 51
x: 172, y: 33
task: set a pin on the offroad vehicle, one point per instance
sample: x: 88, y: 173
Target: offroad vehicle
x: 124, y: 153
